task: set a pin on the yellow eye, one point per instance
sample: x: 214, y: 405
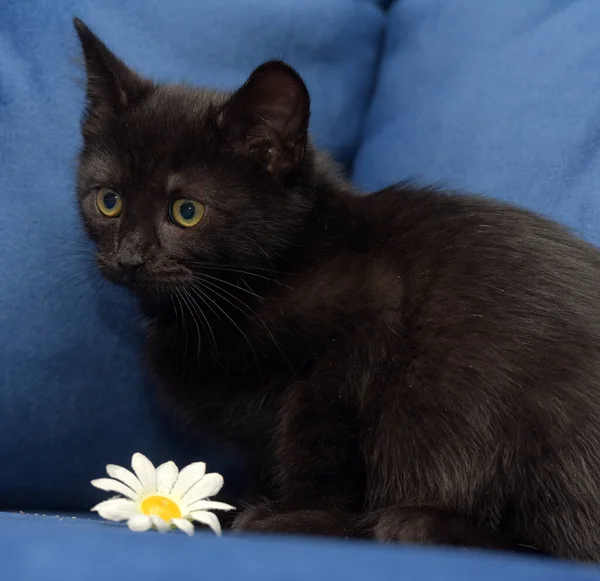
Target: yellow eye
x: 109, y: 202
x: 186, y: 213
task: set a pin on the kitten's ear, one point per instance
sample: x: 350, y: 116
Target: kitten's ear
x: 111, y: 85
x: 267, y: 118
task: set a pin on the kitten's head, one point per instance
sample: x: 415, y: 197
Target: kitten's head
x: 171, y: 177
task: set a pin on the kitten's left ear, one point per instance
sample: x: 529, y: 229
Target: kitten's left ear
x: 111, y: 85
x: 267, y: 118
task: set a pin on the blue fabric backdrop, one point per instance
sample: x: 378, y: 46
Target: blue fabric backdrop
x: 499, y: 98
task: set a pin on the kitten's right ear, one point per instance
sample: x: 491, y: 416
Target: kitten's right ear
x: 111, y: 85
x: 267, y: 118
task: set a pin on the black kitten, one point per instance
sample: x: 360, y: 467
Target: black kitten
x: 408, y: 366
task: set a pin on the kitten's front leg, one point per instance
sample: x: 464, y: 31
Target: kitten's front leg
x: 318, y: 465
x: 273, y: 518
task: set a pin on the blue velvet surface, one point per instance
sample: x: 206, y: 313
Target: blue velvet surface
x: 57, y: 548
x: 493, y: 97
x: 72, y: 393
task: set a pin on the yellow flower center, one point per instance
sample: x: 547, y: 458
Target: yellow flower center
x: 160, y: 506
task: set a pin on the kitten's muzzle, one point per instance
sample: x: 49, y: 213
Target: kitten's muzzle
x: 142, y: 272
x: 130, y: 264
x: 130, y: 271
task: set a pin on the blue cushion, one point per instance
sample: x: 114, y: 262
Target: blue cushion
x: 493, y: 97
x: 66, y: 549
x: 73, y: 395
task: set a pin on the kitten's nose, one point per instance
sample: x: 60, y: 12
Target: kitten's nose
x: 130, y: 267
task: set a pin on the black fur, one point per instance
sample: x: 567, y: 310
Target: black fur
x: 410, y: 365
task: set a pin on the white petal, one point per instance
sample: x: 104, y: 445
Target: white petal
x: 209, y: 519
x: 208, y: 486
x: 111, y: 485
x: 209, y: 505
x: 116, y: 509
x: 184, y: 525
x: 139, y: 523
x: 125, y: 476
x: 166, y: 475
x: 188, y: 477
x: 145, y: 471
x: 162, y: 526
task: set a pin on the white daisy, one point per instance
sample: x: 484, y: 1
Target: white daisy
x: 161, y: 497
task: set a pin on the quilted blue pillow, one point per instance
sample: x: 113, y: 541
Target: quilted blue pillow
x: 500, y: 98
x: 73, y: 394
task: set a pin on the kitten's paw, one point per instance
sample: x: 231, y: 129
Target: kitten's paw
x: 270, y: 519
x: 412, y: 527
x: 251, y: 518
x: 397, y: 524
